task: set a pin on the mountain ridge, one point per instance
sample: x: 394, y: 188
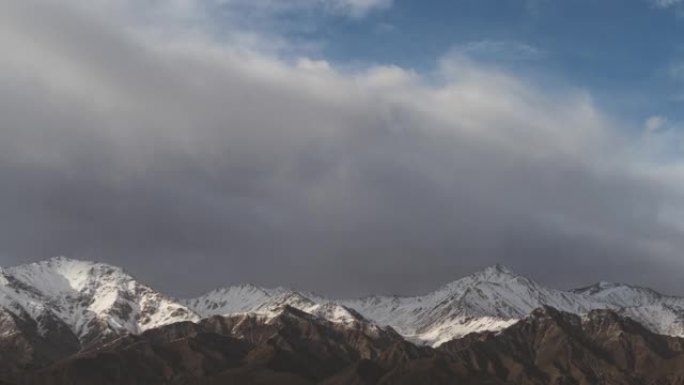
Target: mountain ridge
x: 294, y: 348
x: 98, y: 300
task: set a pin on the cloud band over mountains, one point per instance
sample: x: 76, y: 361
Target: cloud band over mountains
x: 205, y: 159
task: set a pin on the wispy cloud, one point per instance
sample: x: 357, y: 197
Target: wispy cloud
x: 499, y: 50
x: 666, y: 3
x: 357, y: 8
x: 654, y: 123
x: 351, y: 8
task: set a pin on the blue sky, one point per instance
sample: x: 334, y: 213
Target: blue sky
x: 624, y: 52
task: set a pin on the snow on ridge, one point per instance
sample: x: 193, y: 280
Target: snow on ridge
x: 92, y: 297
x: 53, y: 276
x: 496, y: 298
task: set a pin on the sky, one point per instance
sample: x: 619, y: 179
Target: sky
x: 345, y: 147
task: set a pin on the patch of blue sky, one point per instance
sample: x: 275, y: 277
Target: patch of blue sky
x: 628, y: 54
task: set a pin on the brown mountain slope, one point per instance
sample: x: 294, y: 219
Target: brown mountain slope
x: 552, y: 347
x: 294, y: 348
x: 26, y: 345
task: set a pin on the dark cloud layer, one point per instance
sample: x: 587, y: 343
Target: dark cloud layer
x: 196, y: 164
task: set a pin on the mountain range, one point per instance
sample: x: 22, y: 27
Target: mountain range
x: 62, y: 318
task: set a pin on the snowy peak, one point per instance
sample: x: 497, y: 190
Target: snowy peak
x: 598, y: 287
x: 289, y: 298
x: 231, y: 300
x: 493, y: 276
x: 491, y: 299
x: 93, y: 300
x: 58, y: 276
x: 337, y: 313
x: 605, y: 287
x: 625, y: 295
x: 496, y: 297
x: 496, y: 291
x: 97, y: 301
x: 496, y: 272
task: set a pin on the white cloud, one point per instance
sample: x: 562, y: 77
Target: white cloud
x: 313, y: 65
x: 351, y: 8
x: 654, y: 123
x: 666, y: 3
x: 499, y: 50
x: 358, y: 8
x: 128, y: 137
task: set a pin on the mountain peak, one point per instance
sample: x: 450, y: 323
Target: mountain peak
x: 496, y: 271
x: 62, y: 258
x: 630, y: 293
x: 499, y: 269
x: 62, y: 274
x: 62, y: 264
x: 82, y: 292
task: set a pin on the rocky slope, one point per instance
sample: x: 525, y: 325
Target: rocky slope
x: 73, y: 322
x: 548, y: 347
x: 553, y: 347
x: 289, y: 347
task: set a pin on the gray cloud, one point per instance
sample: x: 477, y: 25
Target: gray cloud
x: 196, y: 164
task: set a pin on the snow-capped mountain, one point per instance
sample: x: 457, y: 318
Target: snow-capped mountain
x: 251, y: 299
x: 660, y: 313
x: 92, y: 300
x: 490, y: 300
x: 95, y: 301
